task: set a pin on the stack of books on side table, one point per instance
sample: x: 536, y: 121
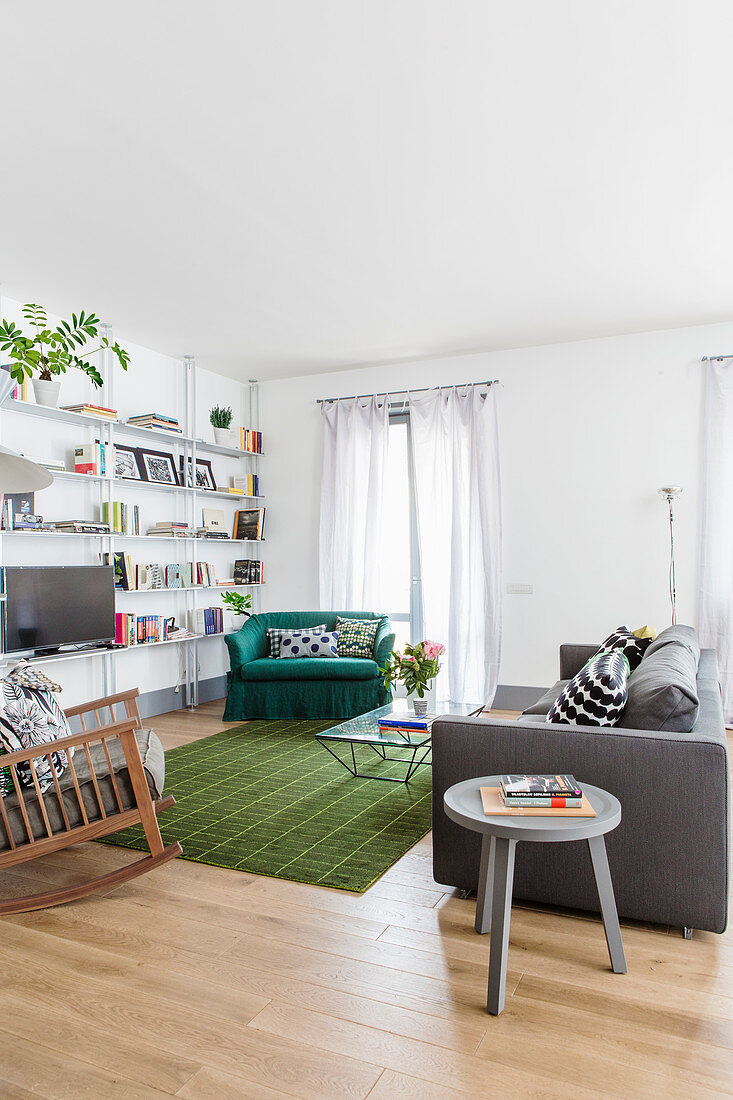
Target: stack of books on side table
x: 536, y: 796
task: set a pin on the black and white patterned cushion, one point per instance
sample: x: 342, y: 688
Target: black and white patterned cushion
x: 29, y: 718
x: 308, y: 643
x: 276, y: 633
x: 625, y: 640
x: 597, y: 695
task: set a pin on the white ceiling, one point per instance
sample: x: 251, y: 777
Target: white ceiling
x: 288, y: 186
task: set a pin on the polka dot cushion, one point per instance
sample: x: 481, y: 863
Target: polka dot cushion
x: 356, y: 636
x: 276, y: 634
x: 623, y: 639
x: 597, y: 695
x: 306, y: 643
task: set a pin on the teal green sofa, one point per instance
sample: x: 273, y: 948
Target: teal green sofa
x: 259, y: 686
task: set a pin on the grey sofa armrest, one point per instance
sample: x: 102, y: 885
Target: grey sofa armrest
x: 572, y: 658
x: 672, y: 839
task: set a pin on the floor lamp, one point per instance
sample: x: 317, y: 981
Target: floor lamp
x: 670, y: 492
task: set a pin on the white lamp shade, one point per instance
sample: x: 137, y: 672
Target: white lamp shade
x: 20, y: 475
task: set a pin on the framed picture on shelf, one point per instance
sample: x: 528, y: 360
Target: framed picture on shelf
x: 158, y: 466
x: 204, y: 474
x: 128, y: 464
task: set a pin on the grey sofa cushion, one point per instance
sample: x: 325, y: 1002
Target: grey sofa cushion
x: 685, y: 636
x: 663, y: 690
x: 151, y: 752
x: 545, y: 701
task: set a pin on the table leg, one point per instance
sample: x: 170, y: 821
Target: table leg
x: 501, y: 909
x: 485, y: 884
x: 604, y: 885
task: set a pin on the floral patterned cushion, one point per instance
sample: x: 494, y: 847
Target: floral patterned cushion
x: 356, y: 636
x: 29, y: 717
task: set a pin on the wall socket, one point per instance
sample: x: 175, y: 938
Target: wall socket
x: 520, y: 589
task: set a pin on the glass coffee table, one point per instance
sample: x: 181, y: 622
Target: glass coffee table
x: 413, y: 748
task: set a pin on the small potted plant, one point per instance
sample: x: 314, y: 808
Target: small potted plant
x: 237, y: 603
x: 416, y: 668
x: 221, y: 422
x: 51, y: 351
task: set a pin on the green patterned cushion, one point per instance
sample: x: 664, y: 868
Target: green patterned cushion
x: 356, y: 636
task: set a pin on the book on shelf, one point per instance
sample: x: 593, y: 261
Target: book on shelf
x: 214, y: 520
x: 249, y: 572
x: 207, y: 620
x: 91, y: 458
x: 125, y: 518
x: 80, y: 527
x: 55, y: 465
x: 133, y: 629
x: 207, y: 533
x: 248, y: 485
x: 250, y: 441
x: 158, y: 421
x: 493, y: 806
x: 92, y: 410
x: 249, y: 523
x: 27, y: 522
x: 170, y: 531
x: 16, y: 508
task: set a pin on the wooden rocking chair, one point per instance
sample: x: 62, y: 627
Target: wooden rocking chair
x: 106, y: 790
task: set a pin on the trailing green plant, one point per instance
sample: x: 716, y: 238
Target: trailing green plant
x: 220, y: 417
x: 236, y: 602
x: 51, y: 351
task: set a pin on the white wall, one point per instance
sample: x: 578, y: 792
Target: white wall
x: 153, y: 382
x: 589, y: 431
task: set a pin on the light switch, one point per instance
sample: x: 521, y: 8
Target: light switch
x: 519, y: 589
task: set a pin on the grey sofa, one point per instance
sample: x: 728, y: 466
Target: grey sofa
x: 669, y: 856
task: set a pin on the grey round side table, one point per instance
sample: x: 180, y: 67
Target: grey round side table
x: 500, y: 835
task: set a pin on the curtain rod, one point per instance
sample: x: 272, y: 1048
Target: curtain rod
x: 714, y: 358
x: 399, y: 393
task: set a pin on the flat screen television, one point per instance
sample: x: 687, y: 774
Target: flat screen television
x: 47, y: 607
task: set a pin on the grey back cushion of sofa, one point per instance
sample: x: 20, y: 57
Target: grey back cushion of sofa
x: 663, y: 689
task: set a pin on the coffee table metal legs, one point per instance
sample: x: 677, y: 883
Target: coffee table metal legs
x: 604, y: 885
x: 501, y: 911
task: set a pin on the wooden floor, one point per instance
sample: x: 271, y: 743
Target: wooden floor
x: 211, y: 984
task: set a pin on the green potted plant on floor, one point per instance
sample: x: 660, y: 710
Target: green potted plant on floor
x: 221, y: 421
x: 416, y: 668
x: 47, y: 354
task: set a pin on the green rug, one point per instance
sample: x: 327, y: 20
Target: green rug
x: 265, y: 797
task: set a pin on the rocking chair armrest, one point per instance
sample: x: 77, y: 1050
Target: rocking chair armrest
x: 100, y: 704
x: 114, y: 729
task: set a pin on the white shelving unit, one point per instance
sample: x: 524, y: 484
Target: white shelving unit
x: 184, y: 501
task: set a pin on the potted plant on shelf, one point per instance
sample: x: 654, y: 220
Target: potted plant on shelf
x: 51, y: 351
x: 416, y: 668
x: 237, y: 603
x: 221, y: 420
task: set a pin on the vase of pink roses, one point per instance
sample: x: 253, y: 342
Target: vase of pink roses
x: 416, y: 667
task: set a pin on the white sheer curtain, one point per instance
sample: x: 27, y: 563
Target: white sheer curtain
x: 456, y: 460
x: 356, y: 436
x: 716, y: 543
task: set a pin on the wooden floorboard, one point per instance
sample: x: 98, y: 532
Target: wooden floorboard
x: 211, y: 984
